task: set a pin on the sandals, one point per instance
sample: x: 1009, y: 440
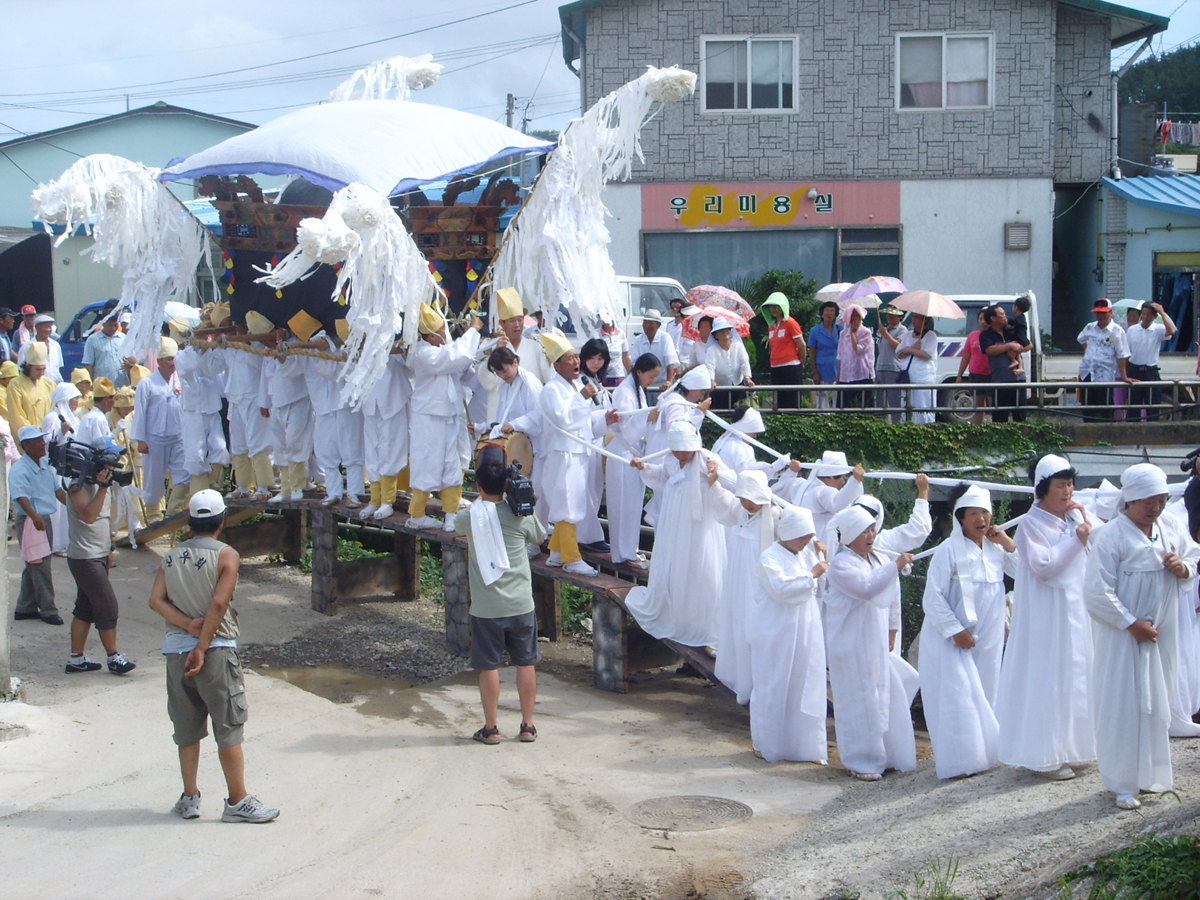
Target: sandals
x: 528, y: 734
x: 867, y: 776
x: 487, y: 735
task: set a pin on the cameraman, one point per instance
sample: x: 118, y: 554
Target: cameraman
x: 502, y: 610
x: 89, y: 554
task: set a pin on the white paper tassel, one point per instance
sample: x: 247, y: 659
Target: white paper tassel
x: 140, y: 229
x: 387, y: 274
x: 391, y: 79
x: 556, y: 251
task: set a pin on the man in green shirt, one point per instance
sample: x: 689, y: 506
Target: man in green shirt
x: 502, y: 610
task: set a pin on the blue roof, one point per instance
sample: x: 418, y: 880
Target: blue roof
x: 1178, y: 195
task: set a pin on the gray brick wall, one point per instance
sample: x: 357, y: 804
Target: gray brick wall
x: 1082, y: 97
x: 846, y: 125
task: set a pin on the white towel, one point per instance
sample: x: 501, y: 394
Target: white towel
x: 487, y: 541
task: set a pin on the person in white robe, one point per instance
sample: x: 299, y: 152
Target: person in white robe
x: 250, y: 435
x: 870, y: 700
x: 831, y: 486
x: 1044, y: 703
x: 384, y: 428
x: 788, y: 702
x: 962, y: 637
x: 525, y: 345
x: 158, y: 430
x: 1134, y: 573
x: 339, y: 430
x: 570, y: 424
x: 624, y: 487
x: 205, y: 453
x: 283, y: 396
x: 595, y: 363
x: 728, y: 362
x: 686, y: 402
x: 736, y: 453
x: 687, y: 568
x: 749, y: 532
x: 93, y: 428
x: 518, y: 411
x: 60, y: 423
x: 437, y: 420
x: 1185, y: 699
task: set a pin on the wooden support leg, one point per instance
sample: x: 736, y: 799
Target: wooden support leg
x: 297, y: 535
x: 609, y: 644
x: 547, y: 600
x: 324, y: 562
x: 408, y: 555
x: 458, y: 599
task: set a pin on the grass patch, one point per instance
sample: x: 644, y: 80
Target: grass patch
x: 934, y: 882
x: 576, y: 608
x: 347, y: 551
x: 432, y: 583
x: 1154, y: 868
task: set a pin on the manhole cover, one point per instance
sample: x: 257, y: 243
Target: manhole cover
x: 688, y: 813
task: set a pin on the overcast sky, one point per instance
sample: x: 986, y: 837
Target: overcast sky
x: 72, y: 60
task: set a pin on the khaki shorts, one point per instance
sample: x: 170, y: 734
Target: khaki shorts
x: 216, y: 692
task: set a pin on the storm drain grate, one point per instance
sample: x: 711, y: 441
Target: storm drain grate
x: 688, y: 813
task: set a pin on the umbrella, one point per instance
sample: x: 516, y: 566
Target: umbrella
x: 866, y: 301
x: 391, y: 146
x: 1120, y: 306
x: 832, y: 291
x: 691, y: 330
x: 710, y: 296
x: 929, y: 304
x: 876, y: 284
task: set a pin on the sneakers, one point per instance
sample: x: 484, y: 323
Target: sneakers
x: 422, y: 522
x: 188, y: 807
x: 119, y: 665
x: 250, y: 809
x: 579, y: 567
x: 384, y: 511
x: 82, y: 664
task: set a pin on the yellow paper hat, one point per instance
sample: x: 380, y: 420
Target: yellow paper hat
x: 220, y: 312
x: 137, y: 373
x: 508, y: 304
x: 80, y: 374
x: 167, y: 348
x: 342, y: 327
x: 257, y: 323
x: 555, y: 346
x: 125, y: 395
x: 8, y: 369
x: 103, y: 388
x: 431, y: 320
x: 37, y: 354
x: 179, y: 327
x: 303, y: 325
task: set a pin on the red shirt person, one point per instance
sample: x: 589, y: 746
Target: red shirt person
x: 788, y: 350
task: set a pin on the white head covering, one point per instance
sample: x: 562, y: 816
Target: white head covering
x: 973, y: 564
x: 752, y: 485
x: 697, y: 379
x: 683, y: 436
x: 851, y: 522
x: 1108, y: 498
x: 61, y: 398
x: 751, y: 422
x: 796, y: 522
x: 1142, y: 481
x: 976, y: 497
x: 875, y: 505
x: 831, y: 463
x: 1049, y: 465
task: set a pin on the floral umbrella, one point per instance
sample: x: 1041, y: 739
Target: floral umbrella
x: 876, y: 284
x: 832, y: 291
x: 691, y: 329
x: 710, y: 296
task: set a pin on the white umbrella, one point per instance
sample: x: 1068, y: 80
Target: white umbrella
x: 1127, y: 303
x: 391, y: 146
x: 832, y: 291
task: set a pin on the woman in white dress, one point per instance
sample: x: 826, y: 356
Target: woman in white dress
x: 728, y: 362
x: 870, y: 701
x: 60, y: 424
x: 684, y: 403
x: 736, y: 453
x: 625, y: 489
x: 1044, y: 701
x: 918, y: 352
x: 594, y: 362
x: 962, y: 638
x: 788, y: 701
x: 749, y: 532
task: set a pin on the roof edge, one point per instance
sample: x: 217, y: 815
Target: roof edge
x: 159, y: 108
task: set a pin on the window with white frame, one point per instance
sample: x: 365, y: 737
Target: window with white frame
x: 944, y: 71
x: 749, y: 73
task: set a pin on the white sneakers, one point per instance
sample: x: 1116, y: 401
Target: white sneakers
x: 188, y: 807
x: 384, y: 511
x: 579, y: 567
x: 249, y: 809
x: 532, y: 550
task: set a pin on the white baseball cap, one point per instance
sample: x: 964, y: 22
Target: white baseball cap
x: 206, y: 503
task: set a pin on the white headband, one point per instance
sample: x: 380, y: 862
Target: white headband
x: 851, y: 522
x: 1049, y: 465
x: 683, y: 436
x: 976, y: 497
x: 1142, y: 481
x: 796, y: 522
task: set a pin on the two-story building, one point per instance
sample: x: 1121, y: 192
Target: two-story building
x: 928, y: 140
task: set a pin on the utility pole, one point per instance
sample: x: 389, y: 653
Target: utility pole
x: 508, y: 113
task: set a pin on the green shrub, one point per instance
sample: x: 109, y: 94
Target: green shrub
x: 576, y: 608
x: 432, y: 584
x: 1154, y: 868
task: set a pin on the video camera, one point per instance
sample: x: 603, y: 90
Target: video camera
x: 1188, y: 463
x: 519, y: 493
x: 83, y: 461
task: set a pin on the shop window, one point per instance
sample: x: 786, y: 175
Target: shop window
x: 1177, y: 288
x: 748, y: 73
x: 943, y: 71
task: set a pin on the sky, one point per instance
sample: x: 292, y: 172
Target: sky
x: 72, y: 60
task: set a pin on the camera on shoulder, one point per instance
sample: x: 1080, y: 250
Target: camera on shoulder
x: 85, y: 462
x: 495, y: 475
x: 519, y: 492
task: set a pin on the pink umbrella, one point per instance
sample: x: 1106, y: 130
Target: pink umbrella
x: 710, y: 296
x: 876, y: 284
x: 691, y: 330
x: 929, y: 304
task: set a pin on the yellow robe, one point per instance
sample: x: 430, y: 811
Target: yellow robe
x: 28, y: 401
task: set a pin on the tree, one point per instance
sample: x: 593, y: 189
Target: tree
x: 1173, y: 78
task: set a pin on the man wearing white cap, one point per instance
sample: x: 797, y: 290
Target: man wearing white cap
x: 437, y: 421
x: 158, y: 430
x: 43, y: 334
x: 962, y: 638
x: 1044, y: 702
x: 204, y: 451
x: 654, y: 339
x: 788, y: 702
x: 1134, y: 574
x: 35, y: 494
x: 570, y: 421
x: 193, y: 591
x: 828, y: 489
x: 687, y: 571
x: 870, y: 699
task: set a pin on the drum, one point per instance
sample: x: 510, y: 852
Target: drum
x: 516, y: 447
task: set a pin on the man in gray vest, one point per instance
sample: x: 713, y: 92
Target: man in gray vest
x: 193, y: 591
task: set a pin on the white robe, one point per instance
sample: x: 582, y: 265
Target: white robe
x: 1185, y: 699
x: 200, y: 410
x: 891, y: 542
x: 739, y: 456
x: 870, y: 699
x: 157, y: 420
x: 1044, y: 705
x: 823, y: 501
x: 958, y: 687
x: 518, y: 406
x: 385, y: 422
x: 563, y: 408
x: 249, y: 432
x: 743, y: 547
x: 1132, y: 680
x: 687, y: 572
x: 624, y: 486
x: 671, y: 408
x: 788, y: 700
x: 437, y: 419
